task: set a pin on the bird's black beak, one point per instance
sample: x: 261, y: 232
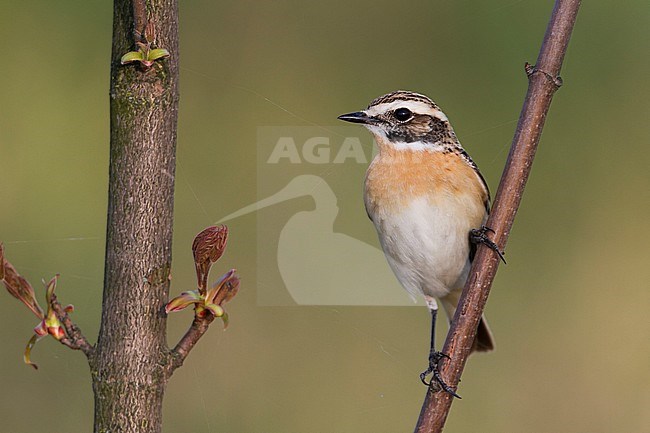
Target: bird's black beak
x: 358, y: 117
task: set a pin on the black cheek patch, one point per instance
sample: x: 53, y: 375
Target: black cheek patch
x: 438, y: 130
x: 421, y: 128
x: 401, y: 134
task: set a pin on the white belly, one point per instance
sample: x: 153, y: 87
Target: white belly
x: 427, y: 242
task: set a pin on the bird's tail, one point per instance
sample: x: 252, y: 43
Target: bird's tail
x: 484, y: 341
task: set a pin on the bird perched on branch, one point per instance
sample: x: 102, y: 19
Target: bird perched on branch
x: 428, y: 202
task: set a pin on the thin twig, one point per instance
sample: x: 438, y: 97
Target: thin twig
x: 544, y: 80
x: 74, y: 337
x: 199, y: 327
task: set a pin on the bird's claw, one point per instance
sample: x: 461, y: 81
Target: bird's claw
x: 479, y: 236
x: 434, y: 360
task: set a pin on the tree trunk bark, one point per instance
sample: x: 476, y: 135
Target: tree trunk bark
x: 131, y: 363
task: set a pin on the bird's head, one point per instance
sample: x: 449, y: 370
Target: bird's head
x: 405, y: 120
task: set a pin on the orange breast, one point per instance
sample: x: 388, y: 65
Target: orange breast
x: 395, y: 177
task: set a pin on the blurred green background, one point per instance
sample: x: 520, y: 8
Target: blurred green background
x: 569, y: 311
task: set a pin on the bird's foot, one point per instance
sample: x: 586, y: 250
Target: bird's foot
x: 434, y: 359
x: 479, y: 236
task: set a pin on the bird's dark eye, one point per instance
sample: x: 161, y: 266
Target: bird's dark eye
x: 403, y: 114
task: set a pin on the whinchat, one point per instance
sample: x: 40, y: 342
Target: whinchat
x: 428, y: 202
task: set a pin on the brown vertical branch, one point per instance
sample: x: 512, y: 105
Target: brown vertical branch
x: 543, y: 82
x: 130, y: 363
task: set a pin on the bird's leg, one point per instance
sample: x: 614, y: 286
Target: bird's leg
x: 479, y: 236
x: 435, y: 356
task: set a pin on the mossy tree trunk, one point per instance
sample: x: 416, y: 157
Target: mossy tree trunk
x: 131, y: 362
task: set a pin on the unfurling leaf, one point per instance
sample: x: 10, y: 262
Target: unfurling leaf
x: 19, y: 287
x: 224, y: 289
x: 216, y: 310
x: 157, y: 53
x: 132, y: 56
x: 183, y: 301
x: 49, y: 290
x: 41, y: 329
x: 208, y: 247
x: 226, y: 320
x: 28, y: 351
